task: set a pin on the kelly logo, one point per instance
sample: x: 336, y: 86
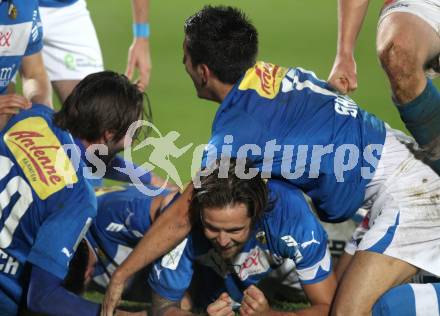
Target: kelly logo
x: 264, y: 78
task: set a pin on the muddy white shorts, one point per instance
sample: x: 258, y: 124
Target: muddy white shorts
x: 427, y: 10
x: 71, y: 49
x: 403, y: 200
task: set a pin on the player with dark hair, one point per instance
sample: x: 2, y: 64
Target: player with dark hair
x: 41, y: 188
x: 244, y: 228
x: 298, y: 129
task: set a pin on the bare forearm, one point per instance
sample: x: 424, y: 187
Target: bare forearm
x: 36, y: 85
x: 167, y: 231
x: 38, y: 90
x: 351, y: 14
x: 140, y: 11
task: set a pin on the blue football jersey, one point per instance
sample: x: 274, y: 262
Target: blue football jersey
x: 21, y: 35
x: 56, y: 3
x: 123, y: 218
x: 46, y: 205
x: 288, y: 230
x: 295, y: 127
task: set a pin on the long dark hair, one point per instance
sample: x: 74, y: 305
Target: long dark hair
x: 220, y: 192
x: 103, y: 101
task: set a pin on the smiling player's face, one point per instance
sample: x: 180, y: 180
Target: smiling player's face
x: 227, y: 228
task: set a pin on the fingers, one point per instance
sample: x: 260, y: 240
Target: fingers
x: 221, y: 307
x: 340, y: 84
x: 254, y: 302
x: 225, y: 297
x: 130, y: 67
x: 111, y: 298
x: 12, y: 103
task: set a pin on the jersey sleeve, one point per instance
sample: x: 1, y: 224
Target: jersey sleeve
x: 35, y: 43
x: 171, y: 275
x: 70, y: 214
x: 303, y: 239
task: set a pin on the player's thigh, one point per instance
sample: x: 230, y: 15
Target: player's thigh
x: 63, y: 88
x: 368, y: 276
x: 71, y: 49
x: 417, y: 33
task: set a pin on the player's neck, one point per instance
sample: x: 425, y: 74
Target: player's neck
x: 221, y: 91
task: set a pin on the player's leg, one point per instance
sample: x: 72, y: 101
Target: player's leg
x: 71, y: 49
x: 408, y: 300
x: 368, y: 277
x: 407, y: 41
x: 63, y: 88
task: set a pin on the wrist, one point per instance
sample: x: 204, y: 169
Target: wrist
x: 141, y: 30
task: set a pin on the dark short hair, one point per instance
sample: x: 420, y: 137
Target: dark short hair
x: 103, y: 101
x: 220, y: 192
x: 224, y: 39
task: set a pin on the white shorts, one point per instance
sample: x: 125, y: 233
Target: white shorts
x: 427, y: 10
x: 71, y: 49
x: 403, y: 200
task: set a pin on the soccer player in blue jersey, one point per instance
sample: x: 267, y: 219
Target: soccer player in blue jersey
x: 243, y: 229
x: 124, y: 214
x: 20, y: 50
x: 41, y: 188
x: 298, y: 129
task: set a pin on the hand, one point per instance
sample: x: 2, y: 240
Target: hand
x: 221, y: 307
x: 112, y: 295
x: 343, y: 76
x: 139, y: 58
x: 12, y: 103
x: 159, y: 182
x: 125, y: 313
x: 254, y: 302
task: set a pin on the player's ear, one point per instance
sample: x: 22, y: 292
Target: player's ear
x: 204, y: 72
x: 107, y: 136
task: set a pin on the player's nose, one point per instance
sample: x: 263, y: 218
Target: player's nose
x: 223, y: 239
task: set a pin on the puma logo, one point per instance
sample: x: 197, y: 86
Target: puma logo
x: 312, y: 241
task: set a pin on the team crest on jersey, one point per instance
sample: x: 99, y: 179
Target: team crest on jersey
x: 40, y: 155
x: 264, y: 78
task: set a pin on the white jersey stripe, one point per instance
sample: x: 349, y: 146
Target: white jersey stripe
x: 426, y: 299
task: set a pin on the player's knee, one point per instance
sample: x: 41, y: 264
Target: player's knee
x: 398, y: 59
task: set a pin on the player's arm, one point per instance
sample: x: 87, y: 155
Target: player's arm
x: 164, y: 307
x: 139, y: 51
x: 118, y: 164
x: 351, y: 15
x: 166, y: 232
x: 36, y: 85
x: 47, y: 296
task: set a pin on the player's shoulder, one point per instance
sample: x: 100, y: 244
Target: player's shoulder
x: 37, y: 121
x: 290, y: 212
